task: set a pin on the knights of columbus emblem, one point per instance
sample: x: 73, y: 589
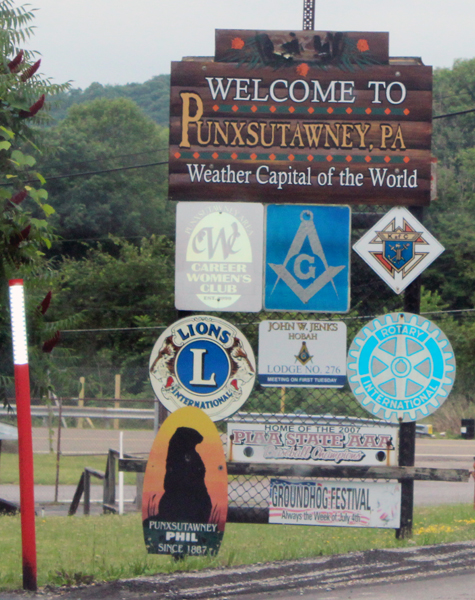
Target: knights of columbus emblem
x: 307, y: 262
x: 398, y: 248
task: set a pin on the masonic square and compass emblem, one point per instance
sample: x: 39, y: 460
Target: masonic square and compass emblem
x: 398, y: 248
x: 307, y: 258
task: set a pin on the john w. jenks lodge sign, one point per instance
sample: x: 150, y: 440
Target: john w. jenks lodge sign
x: 280, y: 129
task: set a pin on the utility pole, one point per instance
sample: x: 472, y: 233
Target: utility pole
x: 309, y: 14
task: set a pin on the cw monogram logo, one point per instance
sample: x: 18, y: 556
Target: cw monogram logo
x: 204, y: 240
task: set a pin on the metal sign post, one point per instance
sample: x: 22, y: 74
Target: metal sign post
x: 309, y: 14
x: 407, y: 431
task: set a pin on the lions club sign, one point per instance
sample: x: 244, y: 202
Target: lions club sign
x: 205, y: 362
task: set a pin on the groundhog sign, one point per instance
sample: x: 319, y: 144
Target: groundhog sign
x: 185, y: 494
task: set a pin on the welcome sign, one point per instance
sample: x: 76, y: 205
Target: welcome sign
x: 272, y: 127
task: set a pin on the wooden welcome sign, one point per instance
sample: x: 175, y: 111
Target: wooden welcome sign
x: 342, y: 127
x: 185, y: 492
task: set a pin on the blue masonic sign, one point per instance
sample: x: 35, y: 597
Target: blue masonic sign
x: 307, y: 258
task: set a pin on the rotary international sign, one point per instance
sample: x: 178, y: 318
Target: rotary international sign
x: 269, y: 125
x: 401, y: 367
x: 219, y: 252
x: 398, y: 248
x: 204, y: 362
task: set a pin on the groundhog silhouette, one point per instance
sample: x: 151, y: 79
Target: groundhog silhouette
x: 186, y: 497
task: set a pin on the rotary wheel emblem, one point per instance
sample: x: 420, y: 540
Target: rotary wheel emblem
x: 401, y: 367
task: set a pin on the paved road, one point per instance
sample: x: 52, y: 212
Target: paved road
x: 93, y: 441
x: 450, y: 454
x: 429, y: 453
x: 452, y: 587
x: 444, y: 572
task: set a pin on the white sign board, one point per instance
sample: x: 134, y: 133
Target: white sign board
x: 318, y: 441
x: 302, y: 354
x: 335, y: 503
x: 219, y: 256
x: 398, y: 248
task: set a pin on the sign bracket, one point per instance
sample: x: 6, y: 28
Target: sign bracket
x: 309, y: 14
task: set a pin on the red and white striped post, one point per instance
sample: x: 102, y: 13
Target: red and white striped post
x: 25, y: 441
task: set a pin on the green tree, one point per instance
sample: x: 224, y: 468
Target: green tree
x: 153, y: 97
x: 101, y: 135
x: 24, y: 211
x: 454, y: 91
x: 117, y: 294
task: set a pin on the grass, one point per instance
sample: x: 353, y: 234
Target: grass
x: 74, y: 550
x: 70, y: 468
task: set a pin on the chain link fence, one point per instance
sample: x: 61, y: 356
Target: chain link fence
x: 95, y: 382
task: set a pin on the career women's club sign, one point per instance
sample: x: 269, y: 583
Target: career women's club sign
x: 307, y: 260
x: 185, y: 491
x: 204, y: 362
x: 219, y: 253
x: 401, y: 367
x: 338, y: 504
x: 302, y: 353
x: 269, y: 127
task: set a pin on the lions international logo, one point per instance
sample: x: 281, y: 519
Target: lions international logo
x: 204, y: 362
x: 398, y: 248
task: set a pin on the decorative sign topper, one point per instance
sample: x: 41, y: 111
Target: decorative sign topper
x: 398, y: 248
x: 335, y: 503
x: 318, y: 117
x: 185, y: 491
x: 302, y: 353
x: 319, y: 49
x: 295, y: 439
x: 205, y: 362
x: 219, y: 253
x: 307, y: 258
x: 401, y: 367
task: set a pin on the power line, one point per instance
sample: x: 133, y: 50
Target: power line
x: 85, y: 162
x: 163, y: 162
x: 461, y: 112
x: 366, y: 317
x: 90, y: 173
x: 121, y: 237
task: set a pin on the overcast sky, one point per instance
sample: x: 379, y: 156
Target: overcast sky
x: 124, y: 41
